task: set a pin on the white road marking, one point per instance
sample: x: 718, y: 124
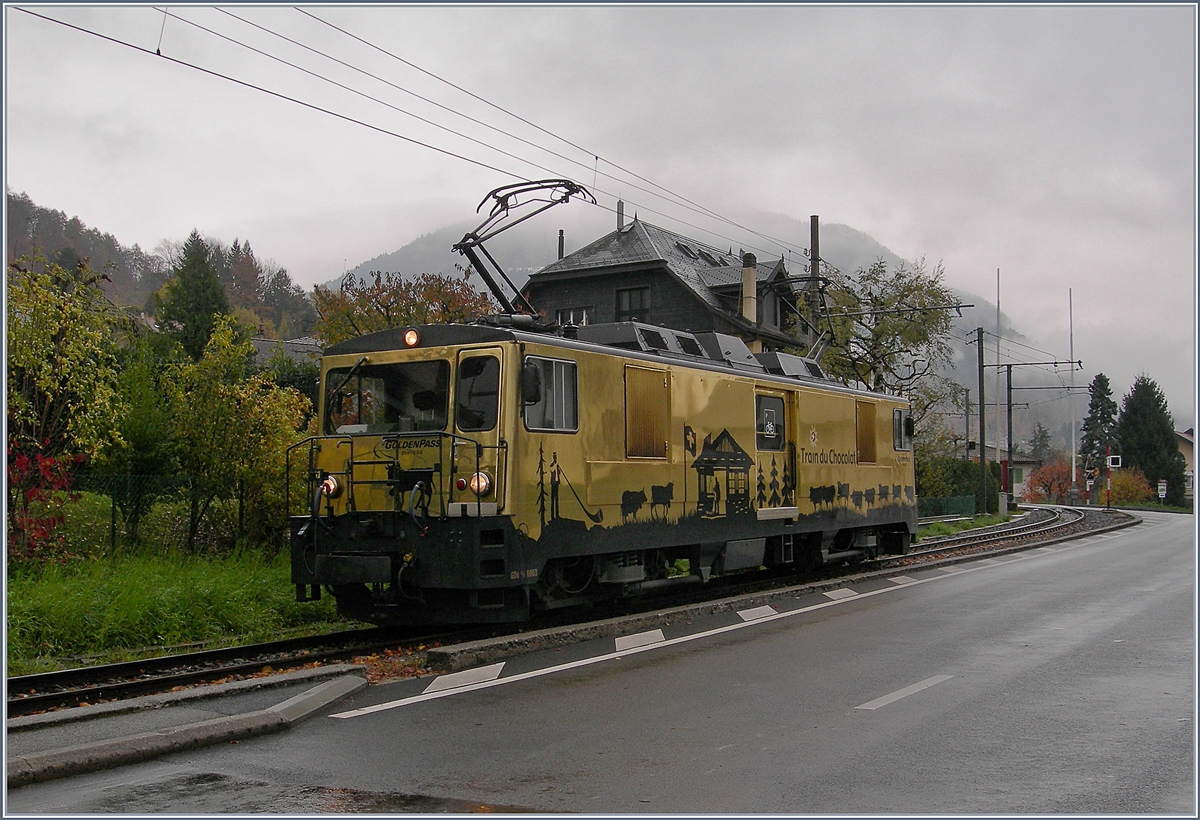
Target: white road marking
x: 465, y: 678
x: 641, y: 639
x: 905, y: 692
x: 837, y: 597
x: 950, y: 570
x: 902, y: 579
x: 757, y: 612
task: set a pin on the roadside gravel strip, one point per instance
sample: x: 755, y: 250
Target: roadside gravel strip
x: 341, y: 681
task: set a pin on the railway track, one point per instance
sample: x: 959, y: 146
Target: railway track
x: 1037, y: 521
x: 29, y: 694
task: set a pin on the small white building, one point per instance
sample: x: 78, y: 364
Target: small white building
x: 1184, y: 440
x: 1022, y: 465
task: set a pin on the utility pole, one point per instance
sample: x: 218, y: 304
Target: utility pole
x: 967, y: 416
x: 1008, y: 468
x: 996, y: 429
x: 1108, y: 477
x: 982, y: 427
x: 1073, y: 495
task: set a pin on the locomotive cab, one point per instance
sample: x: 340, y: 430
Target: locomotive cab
x: 397, y: 504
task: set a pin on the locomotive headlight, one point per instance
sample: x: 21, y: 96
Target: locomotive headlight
x: 480, y: 483
x: 411, y: 337
x: 331, y: 487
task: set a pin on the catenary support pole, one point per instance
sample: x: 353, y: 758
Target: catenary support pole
x: 982, y: 427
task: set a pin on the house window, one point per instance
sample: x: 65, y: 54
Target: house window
x: 633, y: 304
x: 576, y: 316
x: 1018, y: 475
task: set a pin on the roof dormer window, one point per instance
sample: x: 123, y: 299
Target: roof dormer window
x: 688, y: 252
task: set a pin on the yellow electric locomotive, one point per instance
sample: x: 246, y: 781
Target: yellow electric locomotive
x: 477, y: 473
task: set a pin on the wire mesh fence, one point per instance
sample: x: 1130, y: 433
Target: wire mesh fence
x: 153, y: 510
x: 953, y: 505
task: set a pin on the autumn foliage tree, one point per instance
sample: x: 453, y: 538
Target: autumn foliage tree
x: 61, y: 396
x: 890, y: 332
x: 232, y: 431
x: 1129, y: 487
x: 382, y: 300
x: 1049, y: 483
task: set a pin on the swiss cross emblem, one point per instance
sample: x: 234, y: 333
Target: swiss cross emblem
x: 812, y: 435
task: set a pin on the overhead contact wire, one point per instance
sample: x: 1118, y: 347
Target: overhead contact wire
x: 682, y: 200
x: 276, y: 94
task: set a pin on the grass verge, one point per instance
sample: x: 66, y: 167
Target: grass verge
x: 131, y: 606
x: 938, y: 528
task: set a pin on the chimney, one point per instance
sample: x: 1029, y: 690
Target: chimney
x: 750, y: 296
x: 620, y: 214
x: 560, y: 243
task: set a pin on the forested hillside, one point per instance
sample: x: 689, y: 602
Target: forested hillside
x: 262, y: 289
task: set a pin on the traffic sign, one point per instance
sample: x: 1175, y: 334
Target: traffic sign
x: 1162, y: 489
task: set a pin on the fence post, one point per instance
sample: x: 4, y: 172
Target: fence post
x: 112, y: 524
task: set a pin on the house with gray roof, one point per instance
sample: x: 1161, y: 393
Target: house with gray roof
x: 305, y: 350
x: 641, y: 272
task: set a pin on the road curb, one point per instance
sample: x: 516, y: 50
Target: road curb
x: 88, y: 757
x: 490, y: 650
x: 194, y: 693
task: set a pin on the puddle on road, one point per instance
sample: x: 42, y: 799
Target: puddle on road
x: 218, y: 793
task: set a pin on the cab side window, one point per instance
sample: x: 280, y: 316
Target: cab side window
x: 902, y: 430
x: 477, y: 398
x: 550, y: 393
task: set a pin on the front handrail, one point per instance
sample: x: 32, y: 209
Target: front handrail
x: 314, y: 475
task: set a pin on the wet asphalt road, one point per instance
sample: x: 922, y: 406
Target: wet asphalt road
x: 1055, y: 680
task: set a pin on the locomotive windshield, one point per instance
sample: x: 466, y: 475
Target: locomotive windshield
x: 387, y: 398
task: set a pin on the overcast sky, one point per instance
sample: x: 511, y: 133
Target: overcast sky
x: 1057, y: 144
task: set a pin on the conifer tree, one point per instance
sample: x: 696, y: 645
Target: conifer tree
x: 1100, y: 424
x: 1147, y: 438
x: 1039, y: 445
x: 194, y: 298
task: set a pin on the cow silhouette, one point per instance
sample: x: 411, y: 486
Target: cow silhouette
x: 631, y: 502
x: 883, y: 493
x: 896, y: 491
x: 857, y: 498
x: 908, y: 493
x: 661, y: 496
x: 843, y: 490
x: 821, y: 495
x: 869, y: 495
